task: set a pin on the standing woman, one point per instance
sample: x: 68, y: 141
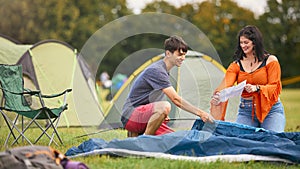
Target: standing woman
x: 260, y: 104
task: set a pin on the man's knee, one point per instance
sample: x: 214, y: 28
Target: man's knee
x: 163, y: 107
x: 167, y: 107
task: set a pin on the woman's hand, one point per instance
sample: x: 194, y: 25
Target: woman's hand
x: 251, y: 88
x: 215, y: 99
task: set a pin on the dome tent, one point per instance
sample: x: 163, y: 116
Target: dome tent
x: 51, y: 66
x: 195, y: 81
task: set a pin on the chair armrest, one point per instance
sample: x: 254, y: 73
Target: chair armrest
x: 21, y: 93
x: 56, y: 95
x: 41, y: 97
x: 31, y: 92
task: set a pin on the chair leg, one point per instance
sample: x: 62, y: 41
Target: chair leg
x: 12, y: 125
x: 55, y: 132
x: 22, y: 117
x: 21, y: 133
x: 12, y: 128
x: 44, y: 132
x: 9, y: 126
x: 54, y: 129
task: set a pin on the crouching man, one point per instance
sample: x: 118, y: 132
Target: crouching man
x: 145, y: 110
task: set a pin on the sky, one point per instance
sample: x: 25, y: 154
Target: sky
x: 256, y: 6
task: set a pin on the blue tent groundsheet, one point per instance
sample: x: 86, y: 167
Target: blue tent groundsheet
x: 203, y: 140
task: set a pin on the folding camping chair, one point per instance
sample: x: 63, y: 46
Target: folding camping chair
x: 15, y: 104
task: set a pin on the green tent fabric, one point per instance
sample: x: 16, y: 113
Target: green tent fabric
x: 10, y: 52
x: 51, y: 66
x: 195, y: 81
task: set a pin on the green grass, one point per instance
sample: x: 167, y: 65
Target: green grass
x: 289, y: 97
x: 291, y: 102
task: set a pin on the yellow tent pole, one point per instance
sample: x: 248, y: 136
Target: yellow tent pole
x: 214, y: 62
x: 290, y: 80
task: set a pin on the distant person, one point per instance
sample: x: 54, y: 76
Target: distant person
x: 260, y: 105
x: 145, y: 110
x: 117, y: 82
x: 105, y: 80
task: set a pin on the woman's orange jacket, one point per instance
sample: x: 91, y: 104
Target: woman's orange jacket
x: 268, y: 79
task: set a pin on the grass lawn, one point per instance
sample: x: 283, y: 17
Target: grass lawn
x: 289, y: 97
x: 291, y: 102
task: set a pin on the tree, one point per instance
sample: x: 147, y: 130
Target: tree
x: 281, y: 29
x: 34, y: 20
x: 74, y: 22
x: 220, y: 20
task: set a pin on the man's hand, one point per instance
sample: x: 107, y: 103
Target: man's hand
x: 167, y: 119
x: 206, y: 117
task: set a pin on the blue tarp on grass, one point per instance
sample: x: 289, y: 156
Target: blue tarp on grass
x: 220, y: 138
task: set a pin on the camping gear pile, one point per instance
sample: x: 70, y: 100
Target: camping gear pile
x: 37, y: 157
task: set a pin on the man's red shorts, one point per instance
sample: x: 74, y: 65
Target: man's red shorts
x: 139, y: 118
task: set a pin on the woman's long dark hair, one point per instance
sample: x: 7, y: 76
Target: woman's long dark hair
x: 252, y: 33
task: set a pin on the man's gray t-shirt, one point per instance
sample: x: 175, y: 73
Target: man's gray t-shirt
x: 147, y: 88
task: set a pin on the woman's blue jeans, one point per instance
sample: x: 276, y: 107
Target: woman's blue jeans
x: 275, y: 120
